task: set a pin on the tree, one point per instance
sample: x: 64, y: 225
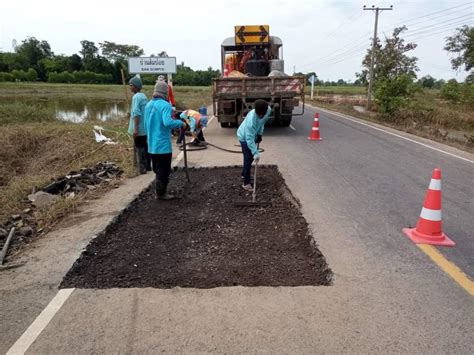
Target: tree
x: 76, y: 62
x: 89, y: 50
x: 391, y: 59
x: 427, y: 81
x: 462, y: 45
x: 33, y: 51
x: 394, y: 72
x: 114, y: 51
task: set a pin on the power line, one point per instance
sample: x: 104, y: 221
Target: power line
x: 450, y: 26
x: 346, y: 21
x: 432, y: 13
x: 352, y: 48
x: 435, y: 33
x: 460, y: 18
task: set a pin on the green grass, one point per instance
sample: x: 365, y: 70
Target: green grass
x: 15, y: 112
x: 37, y: 148
x: 186, y: 96
x: 337, y: 90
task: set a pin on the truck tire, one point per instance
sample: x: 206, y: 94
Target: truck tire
x: 285, y: 121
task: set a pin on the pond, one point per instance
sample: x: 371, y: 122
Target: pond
x: 80, y: 110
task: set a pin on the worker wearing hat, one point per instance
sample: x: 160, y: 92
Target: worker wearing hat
x: 158, y: 125
x: 196, y: 123
x: 170, y: 99
x: 136, y: 126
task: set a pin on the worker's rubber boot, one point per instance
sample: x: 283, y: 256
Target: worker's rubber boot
x: 161, y: 193
x: 166, y: 197
x: 148, y: 162
x: 142, y: 160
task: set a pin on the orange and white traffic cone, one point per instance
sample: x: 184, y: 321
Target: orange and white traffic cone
x: 314, y: 135
x: 429, y: 227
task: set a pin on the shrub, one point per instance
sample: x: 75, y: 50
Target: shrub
x: 467, y: 93
x: 19, y: 75
x: 31, y: 75
x: 6, y: 77
x: 392, y: 94
x: 451, y: 91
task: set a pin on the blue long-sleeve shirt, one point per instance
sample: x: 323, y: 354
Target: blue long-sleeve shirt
x: 158, y: 126
x: 137, y: 109
x: 250, y: 127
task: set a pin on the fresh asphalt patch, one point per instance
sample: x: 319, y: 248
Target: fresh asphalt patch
x: 203, y: 240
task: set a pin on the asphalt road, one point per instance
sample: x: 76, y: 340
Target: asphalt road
x: 385, y: 179
x: 358, y: 188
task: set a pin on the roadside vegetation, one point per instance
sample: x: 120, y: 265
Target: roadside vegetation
x: 37, y: 147
x: 435, y: 109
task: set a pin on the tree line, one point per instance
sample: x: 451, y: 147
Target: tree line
x: 33, y: 60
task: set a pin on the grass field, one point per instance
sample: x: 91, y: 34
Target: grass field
x: 36, y: 147
x: 337, y: 90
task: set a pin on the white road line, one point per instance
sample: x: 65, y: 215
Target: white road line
x: 293, y: 128
x: 396, y: 135
x: 40, y: 323
x: 177, y: 160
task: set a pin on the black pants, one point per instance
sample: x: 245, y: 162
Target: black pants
x: 144, y: 160
x: 200, y: 137
x: 162, y: 169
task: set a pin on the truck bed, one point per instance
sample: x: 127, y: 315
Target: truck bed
x: 258, y: 87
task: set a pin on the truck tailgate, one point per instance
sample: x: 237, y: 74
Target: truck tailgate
x: 258, y: 87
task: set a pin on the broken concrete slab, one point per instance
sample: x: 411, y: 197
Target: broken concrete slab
x: 42, y: 199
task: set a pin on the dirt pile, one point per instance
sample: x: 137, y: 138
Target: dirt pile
x: 203, y: 240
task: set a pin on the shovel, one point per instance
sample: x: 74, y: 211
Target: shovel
x: 254, y: 203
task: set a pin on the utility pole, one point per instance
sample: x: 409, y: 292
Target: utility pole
x: 372, y: 54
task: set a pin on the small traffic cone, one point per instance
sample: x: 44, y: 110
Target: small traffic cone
x: 429, y: 227
x: 314, y: 135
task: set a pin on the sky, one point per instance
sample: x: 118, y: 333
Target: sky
x: 329, y: 37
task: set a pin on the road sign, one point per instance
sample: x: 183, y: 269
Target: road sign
x: 252, y: 34
x: 152, y: 65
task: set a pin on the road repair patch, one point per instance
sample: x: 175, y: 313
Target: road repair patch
x: 203, y: 240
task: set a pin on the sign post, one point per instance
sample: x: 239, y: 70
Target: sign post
x: 152, y: 65
x: 312, y: 80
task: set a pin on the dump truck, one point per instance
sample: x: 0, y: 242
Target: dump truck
x: 252, y: 68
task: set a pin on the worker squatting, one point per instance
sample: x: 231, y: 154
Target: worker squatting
x: 151, y: 123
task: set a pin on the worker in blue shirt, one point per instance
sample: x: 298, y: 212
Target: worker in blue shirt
x: 250, y: 134
x: 158, y: 125
x: 136, y: 127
